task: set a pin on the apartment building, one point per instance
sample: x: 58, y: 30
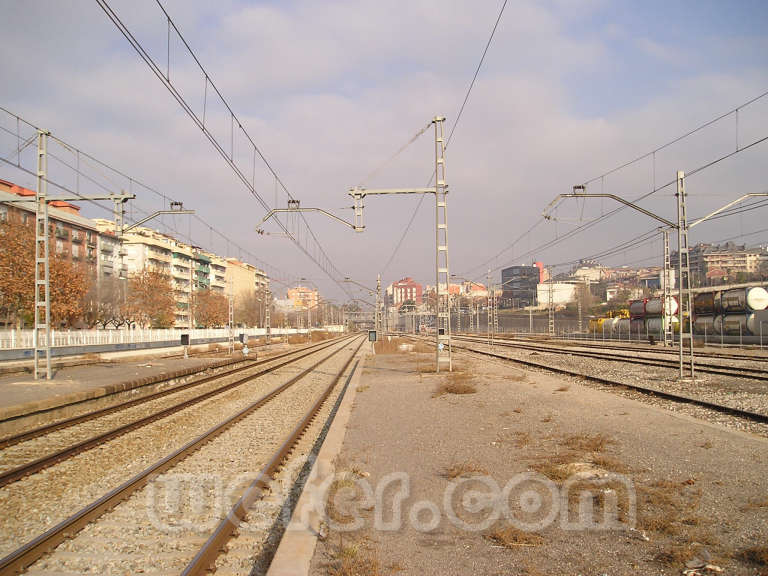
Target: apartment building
x: 94, y: 243
x: 303, y: 297
x: 74, y: 237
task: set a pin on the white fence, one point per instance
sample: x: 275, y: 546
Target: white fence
x: 14, y: 339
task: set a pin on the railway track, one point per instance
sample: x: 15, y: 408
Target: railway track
x: 677, y: 397
x: 245, y: 364
x: 631, y: 357
x: 21, y: 456
x: 124, y: 538
x: 753, y: 355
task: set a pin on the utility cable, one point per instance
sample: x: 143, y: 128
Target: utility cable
x: 450, y: 137
x: 328, y: 267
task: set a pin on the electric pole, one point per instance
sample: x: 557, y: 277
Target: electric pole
x: 666, y: 313
x: 684, y: 266
x: 41, y: 335
x: 267, y: 314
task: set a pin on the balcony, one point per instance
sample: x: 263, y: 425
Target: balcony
x: 77, y: 236
x: 61, y: 233
x: 90, y: 238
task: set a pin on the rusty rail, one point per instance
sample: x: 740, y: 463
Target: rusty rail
x: 735, y: 372
x: 39, y: 464
x: 60, y: 425
x: 205, y: 560
x: 682, y: 398
x: 30, y: 552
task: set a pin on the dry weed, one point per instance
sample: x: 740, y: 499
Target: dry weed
x: 554, y: 468
x: 563, y: 388
x: 397, y: 345
x: 663, y: 506
x: 466, y: 468
x: 587, y: 443
x: 522, y: 439
x: 610, y: 464
x: 358, y: 558
x: 757, y: 555
x: 511, y: 537
x: 675, y: 556
x: 457, y: 382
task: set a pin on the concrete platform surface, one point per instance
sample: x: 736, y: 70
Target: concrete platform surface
x: 21, y: 394
x: 473, y: 473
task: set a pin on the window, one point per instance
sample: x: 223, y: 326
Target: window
x: 59, y: 246
x: 3, y: 213
x: 75, y: 251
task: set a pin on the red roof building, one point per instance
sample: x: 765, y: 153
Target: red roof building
x: 406, y: 289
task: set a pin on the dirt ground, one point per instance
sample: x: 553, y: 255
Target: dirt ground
x: 582, y: 481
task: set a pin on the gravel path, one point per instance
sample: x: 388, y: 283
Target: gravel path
x: 701, y: 488
x: 34, y: 504
x: 743, y: 394
x: 160, y: 528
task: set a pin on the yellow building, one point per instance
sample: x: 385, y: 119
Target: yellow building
x: 303, y: 297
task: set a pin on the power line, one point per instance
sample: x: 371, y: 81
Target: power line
x: 322, y: 260
x: 99, y: 165
x: 637, y: 159
x: 450, y: 136
x: 599, y: 219
x: 477, y: 71
x: 678, y: 139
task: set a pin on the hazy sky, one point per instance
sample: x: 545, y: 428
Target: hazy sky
x: 330, y: 90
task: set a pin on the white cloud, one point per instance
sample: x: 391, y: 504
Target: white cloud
x: 330, y: 90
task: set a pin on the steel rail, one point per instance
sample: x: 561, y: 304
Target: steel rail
x: 18, y: 560
x: 745, y: 372
x: 628, y: 346
x: 47, y: 428
x: 731, y: 410
x: 49, y: 460
x: 205, y: 560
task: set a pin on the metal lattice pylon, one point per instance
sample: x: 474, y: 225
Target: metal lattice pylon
x: 442, y: 284
x: 267, y: 316
x: 231, y: 323
x: 666, y: 318
x: 489, y: 309
x: 686, y: 309
x: 42, y: 332
x: 551, y: 308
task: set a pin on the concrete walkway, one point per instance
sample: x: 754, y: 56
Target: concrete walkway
x: 697, y: 485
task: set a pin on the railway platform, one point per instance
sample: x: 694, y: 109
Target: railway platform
x: 427, y: 458
x: 79, y: 380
